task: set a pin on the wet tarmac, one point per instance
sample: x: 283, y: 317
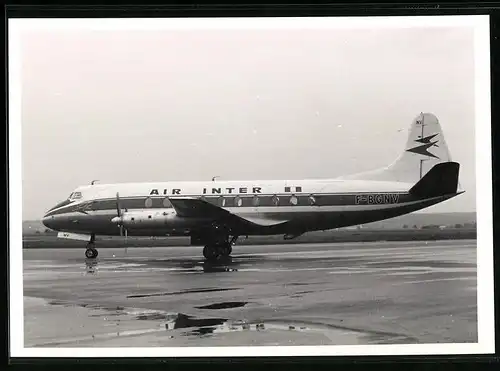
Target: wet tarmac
x: 308, y: 294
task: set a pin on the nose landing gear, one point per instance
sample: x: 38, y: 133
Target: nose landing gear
x: 91, y: 252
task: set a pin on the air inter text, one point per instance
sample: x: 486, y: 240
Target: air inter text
x: 215, y: 190
x: 223, y: 190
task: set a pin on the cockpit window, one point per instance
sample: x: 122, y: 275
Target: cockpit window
x: 75, y: 196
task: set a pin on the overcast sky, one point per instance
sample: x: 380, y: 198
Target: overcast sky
x: 139, y: 106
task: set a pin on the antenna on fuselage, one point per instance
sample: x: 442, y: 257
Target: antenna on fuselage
x: 92, y: 182
x: 215, y: 177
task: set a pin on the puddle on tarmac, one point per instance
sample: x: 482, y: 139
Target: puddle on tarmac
x: 185, y: 321
x: 224, y: 305
x: 92, y: 266
x: 202, y: 327
x: 189, y: 291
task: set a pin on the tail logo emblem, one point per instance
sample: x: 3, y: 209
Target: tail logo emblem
x: 423, y: 149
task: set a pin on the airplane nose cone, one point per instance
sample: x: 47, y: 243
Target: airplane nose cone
x: 48, y: 221
x: 116, y: 219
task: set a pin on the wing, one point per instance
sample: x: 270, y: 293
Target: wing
x: 189, y: 207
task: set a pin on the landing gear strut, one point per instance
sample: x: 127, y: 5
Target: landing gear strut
x: 91, y: 252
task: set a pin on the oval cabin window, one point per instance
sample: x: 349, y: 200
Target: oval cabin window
x: 312, y: 200
x: 222, y: 201
x: 238, y: 201
x: 275, y: 200
x: 167, y: 203
x: 148, y: 202
x: 255, y: 201
x: 294, y: 200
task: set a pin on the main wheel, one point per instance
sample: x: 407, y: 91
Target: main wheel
x: 210, y: 252
x: 91, y: 253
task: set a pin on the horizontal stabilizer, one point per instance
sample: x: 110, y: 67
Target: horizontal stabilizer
x: 441, y: 180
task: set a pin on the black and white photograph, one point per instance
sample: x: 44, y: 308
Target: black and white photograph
x: 250, y: 187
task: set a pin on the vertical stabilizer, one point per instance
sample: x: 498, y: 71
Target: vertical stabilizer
x: 425, y: 148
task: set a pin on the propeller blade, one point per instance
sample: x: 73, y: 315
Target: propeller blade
x: 119, y: 218
x: 118, y: 207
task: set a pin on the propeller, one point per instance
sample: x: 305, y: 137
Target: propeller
x: 119, y: 218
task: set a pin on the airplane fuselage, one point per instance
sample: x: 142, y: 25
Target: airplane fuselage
x: 288, y: 207
x: 215, y: 213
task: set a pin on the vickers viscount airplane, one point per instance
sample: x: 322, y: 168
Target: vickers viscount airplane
x: 214, y: 214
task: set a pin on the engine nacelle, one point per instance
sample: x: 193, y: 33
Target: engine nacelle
x: 150, y: 219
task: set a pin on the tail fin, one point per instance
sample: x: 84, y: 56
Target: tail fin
x: 441, y: 180
x: 425, y: 148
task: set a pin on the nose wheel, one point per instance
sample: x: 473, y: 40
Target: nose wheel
x: 91, y: 252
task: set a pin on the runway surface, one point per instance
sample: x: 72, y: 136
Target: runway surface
x: 308, y: 294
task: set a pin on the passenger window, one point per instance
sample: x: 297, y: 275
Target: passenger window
x: 148, y: 202
x: 294, y: 200
x: 255, y: 201
x: 312, y: 200
x: 275, y: 200
x: 222, y: 201
x: 238, y: 201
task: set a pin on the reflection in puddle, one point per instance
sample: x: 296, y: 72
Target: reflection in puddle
x: 152, y: 316
x: 191, y: 326
x: 184, y: 321
x: 225, y: 305
x: 209, y: 326
x: 182, y: 265
x: 212, y: 326
x: 223, y: 265
x: 239, y: 326
x: 203, y: 331
x: 188, y: 291
x: 91, y: 266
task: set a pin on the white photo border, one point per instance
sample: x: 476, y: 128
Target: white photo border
x: 485, y: 287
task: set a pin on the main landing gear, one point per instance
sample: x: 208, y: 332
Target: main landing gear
x: 91, y: 252
x: 217, y: 250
